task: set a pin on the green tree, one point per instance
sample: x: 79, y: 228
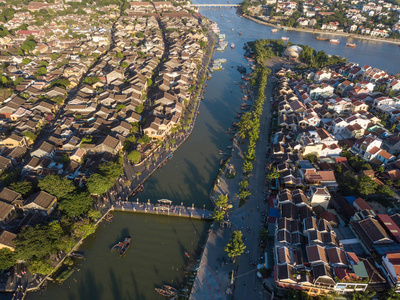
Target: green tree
x: 41, y: 71
x: 25, y: 188
x: 94, y: 214
x: 362, y: 295
x: 98, y: 184
x: 311, y: 157
x: 35, y: 244
x: 244, y: 184
x: 76, y: 204
x: 84, y: 229
x: 7, y: 259
x: 380, y: 169
x: 119, y: 55
x: 385, y: 190
x: 134, y: 156
x: 244, y: 194
x: 218, y: 215
x: 91, y: 79
x: 26, y: 61
x: 366, y: 185
x: 247, y: 166
x: 124, y: 64
x: 112, y: 170
x: 235, y: 246
x: 57, y: 186
x: 139, y: 109
x: 390, y: 294
x: 145, y: 139
x: 272, y: 174
x: 221, y: 201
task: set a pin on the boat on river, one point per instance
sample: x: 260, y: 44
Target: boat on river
x: 274, y: 30
x: 319, y: 38
x: 125, y: 245
x: 77, y: 255
x: 285, y: 38
x: 334, y: 41
x: 167, y: 291
x: 117, y: 246
x: 232, y: 45
x: 351, y: 45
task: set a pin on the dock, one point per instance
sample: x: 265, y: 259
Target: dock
x: 164, y: 207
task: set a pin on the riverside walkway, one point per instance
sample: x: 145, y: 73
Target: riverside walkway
x: 163, y: 209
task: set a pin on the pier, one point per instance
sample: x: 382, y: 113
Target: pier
x: 164, y: 207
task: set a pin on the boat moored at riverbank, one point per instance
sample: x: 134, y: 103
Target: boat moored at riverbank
x: 351, y: 45
x: 334, y: 41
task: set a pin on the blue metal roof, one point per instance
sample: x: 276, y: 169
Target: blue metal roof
x: 274, y: 212
x: 350, y: 199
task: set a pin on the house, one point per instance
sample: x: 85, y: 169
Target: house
x: 5, y: 163
x: 7, y: 212
x: 109, y: 144
x: 7, y: 240
x: 11, y: 197
x: 371, y: 233
x: 14, y: 141
x: 42, y: 202
x: 319, y: 196
x: 78, y: 155
x: 44, y: 150
x: 391, y: 266
x: 385, y: 156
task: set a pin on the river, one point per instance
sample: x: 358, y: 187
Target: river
x: 156, y: 256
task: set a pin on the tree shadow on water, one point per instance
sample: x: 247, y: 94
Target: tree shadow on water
x: 88, y: 288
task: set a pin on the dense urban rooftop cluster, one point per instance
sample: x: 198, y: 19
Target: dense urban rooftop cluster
x: 79, y: 92
x: 334, y: 175
x: 372, y: 18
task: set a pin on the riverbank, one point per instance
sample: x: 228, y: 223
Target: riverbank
x: 317, y: 31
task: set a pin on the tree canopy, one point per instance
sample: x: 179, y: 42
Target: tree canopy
x: 235, y: 246
x: 7, y: 259
x: 76, y: 204
x: 25, y: 188
x: 134, y: 156
x: 57, y: 186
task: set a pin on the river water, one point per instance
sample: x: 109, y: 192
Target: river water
x: 156, y: 256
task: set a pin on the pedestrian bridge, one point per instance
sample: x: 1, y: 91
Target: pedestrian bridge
x: 216, y: 5
x: 164, y: 207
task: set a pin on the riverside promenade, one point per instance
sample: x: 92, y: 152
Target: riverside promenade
x: 213, y: 280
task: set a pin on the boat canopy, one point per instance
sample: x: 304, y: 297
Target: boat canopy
x: 165, y: 201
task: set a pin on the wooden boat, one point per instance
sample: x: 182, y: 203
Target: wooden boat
x: 334, y: 41
x: 117, y: 246
x: 167, y: 291
x: 170, y: 289
x: 77, y: 255
x: 125, y: 246
x: 321, y: 38
x: 164, y: 293
x: 352, y: 45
